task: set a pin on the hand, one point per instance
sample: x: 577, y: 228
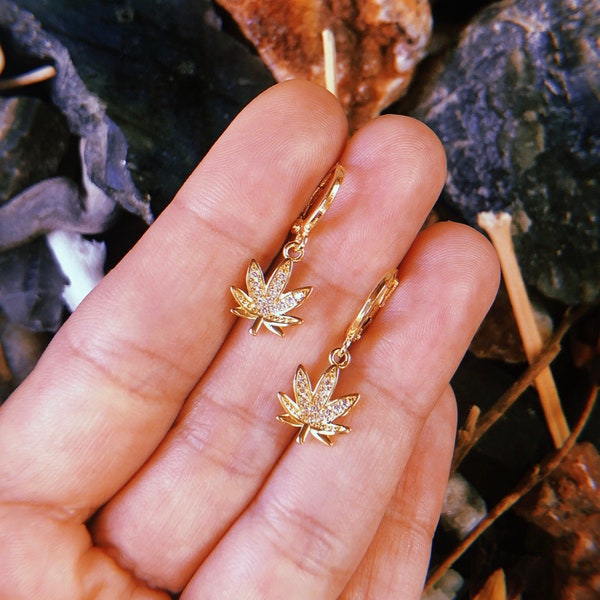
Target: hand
x: 143, y: 454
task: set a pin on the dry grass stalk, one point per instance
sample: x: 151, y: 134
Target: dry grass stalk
x: 329, y: 53
x: 494, y: 588
x: 497, y: 226
x: 538, y: 474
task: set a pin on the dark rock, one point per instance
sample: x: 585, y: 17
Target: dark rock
x: 568, y: 495
x: 103, y: 148
x: 79, y: 192
x: 498, y: 336
x: 33, y: 141
x: 21, y: 349
x: 31, y: 287
x: 171, y: 79
x: 517, y: 107
x: 584, y: 342
x: 482, y: 382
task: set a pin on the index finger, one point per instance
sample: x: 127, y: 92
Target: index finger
x: 113, y: 379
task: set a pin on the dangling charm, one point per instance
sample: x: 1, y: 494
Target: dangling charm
x: 265, y: 302
x: 313, y: 410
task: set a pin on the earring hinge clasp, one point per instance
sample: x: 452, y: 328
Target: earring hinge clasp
x: 319, y: 202
x: 377, y: 298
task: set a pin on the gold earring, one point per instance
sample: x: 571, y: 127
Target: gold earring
x: 266, y: 303
x: 313, y: 410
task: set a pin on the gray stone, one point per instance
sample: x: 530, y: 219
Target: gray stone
x: 52, y: 204
x: 517, y: 107
x: 463, y: 507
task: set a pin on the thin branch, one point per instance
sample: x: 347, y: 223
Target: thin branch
x: 466, y: 442
x: 538, y: 474
x: 497, y: 226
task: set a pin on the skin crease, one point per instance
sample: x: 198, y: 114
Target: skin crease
x: 143, y: 454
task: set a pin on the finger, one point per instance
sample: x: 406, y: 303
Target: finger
x: 49, y: 558
x: 396, y: 562
x: 226, y: 440
x: 314, y: 518
x: 110, y: 384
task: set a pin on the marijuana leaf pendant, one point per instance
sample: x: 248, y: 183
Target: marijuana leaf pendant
x: 314, y: 410
x: 267, y: 303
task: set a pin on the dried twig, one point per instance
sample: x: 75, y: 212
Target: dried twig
x: 497, y: 227
x: 5, y: 373
x: 329, y: 53
x: 466, y: 443
x: 473, y: 432
x: 538, y: 474
x: 33, y: 76
x: 465, y: 438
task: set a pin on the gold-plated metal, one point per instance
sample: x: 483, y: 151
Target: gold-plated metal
x: 377, y: 298
x: 313, y: 410
x: 319, y: 202
x: 266, y: 302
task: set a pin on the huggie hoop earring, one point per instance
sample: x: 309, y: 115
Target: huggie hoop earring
x: 313, y: 410
x: 266, y: 303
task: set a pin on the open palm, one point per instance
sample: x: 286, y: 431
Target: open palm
x: 143, y: 456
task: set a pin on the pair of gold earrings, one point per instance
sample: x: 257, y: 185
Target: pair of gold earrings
x: 313, y: 409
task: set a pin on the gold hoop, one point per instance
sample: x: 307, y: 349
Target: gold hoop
x: 377, y: 298
x: 319, y: 202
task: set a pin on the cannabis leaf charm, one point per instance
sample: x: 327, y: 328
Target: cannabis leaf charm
x: 314, y: 410
x: 267, y: 303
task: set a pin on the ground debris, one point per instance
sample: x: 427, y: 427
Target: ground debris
x: 567, y: 506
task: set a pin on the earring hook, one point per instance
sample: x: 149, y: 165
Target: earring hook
x: 316, y: 207
x: 319, y: 202
x: 377, y: 298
